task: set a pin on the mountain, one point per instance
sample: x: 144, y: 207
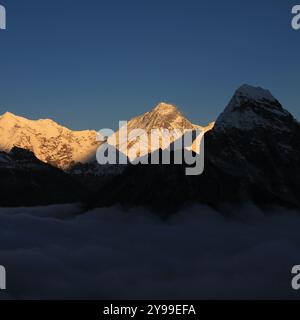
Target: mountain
x: 253, y: 107
x: 163, y: 116
x: 255, y: 150
x: 49, y: 141
x: 251, y: 154
x: 65, y: 149
x: 27, y: 181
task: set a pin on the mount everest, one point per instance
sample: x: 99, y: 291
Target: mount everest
x: 252, y: 153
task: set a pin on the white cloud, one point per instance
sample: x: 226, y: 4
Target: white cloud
x: 108, y: 253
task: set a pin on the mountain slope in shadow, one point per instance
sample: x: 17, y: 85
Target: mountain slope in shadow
x: 252, y: 154
x: 27, y: 181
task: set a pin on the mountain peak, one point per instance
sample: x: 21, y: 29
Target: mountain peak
x: 251, y: 107
x: 254, y: 93
x: 8, y: 114
x: 163, y: 116
x: 50, y: 142
x: 163, y: 107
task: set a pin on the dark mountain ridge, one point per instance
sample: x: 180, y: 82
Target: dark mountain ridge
x: 27, y: 181
x: 252, y: 154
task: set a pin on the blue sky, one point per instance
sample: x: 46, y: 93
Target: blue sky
x: 89, y: 64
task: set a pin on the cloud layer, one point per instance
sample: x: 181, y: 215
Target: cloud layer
x: 55, y: 252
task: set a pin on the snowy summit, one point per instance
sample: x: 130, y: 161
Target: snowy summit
x: 49, y: 141
x: 254, y: 93
x: 251, y: 107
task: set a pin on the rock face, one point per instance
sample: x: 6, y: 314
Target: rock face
x: 27, y: 181
x: 251, y: 154
x: 50, y: 142
x: 255, y: 150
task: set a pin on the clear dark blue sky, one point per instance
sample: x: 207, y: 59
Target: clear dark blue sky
x: 88, y: 64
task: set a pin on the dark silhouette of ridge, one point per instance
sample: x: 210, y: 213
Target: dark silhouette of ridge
x: 251, y: 155
x: 27, y: 181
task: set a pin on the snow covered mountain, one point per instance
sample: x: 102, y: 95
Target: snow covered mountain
x: 251, y: 154
x: 252, y: 107
x: 163, y: 116
x: 64, y: 148
x: 255, y: 148
x: 50, y: 142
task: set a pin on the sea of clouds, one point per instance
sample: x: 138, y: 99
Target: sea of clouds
x: 62, y: 252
